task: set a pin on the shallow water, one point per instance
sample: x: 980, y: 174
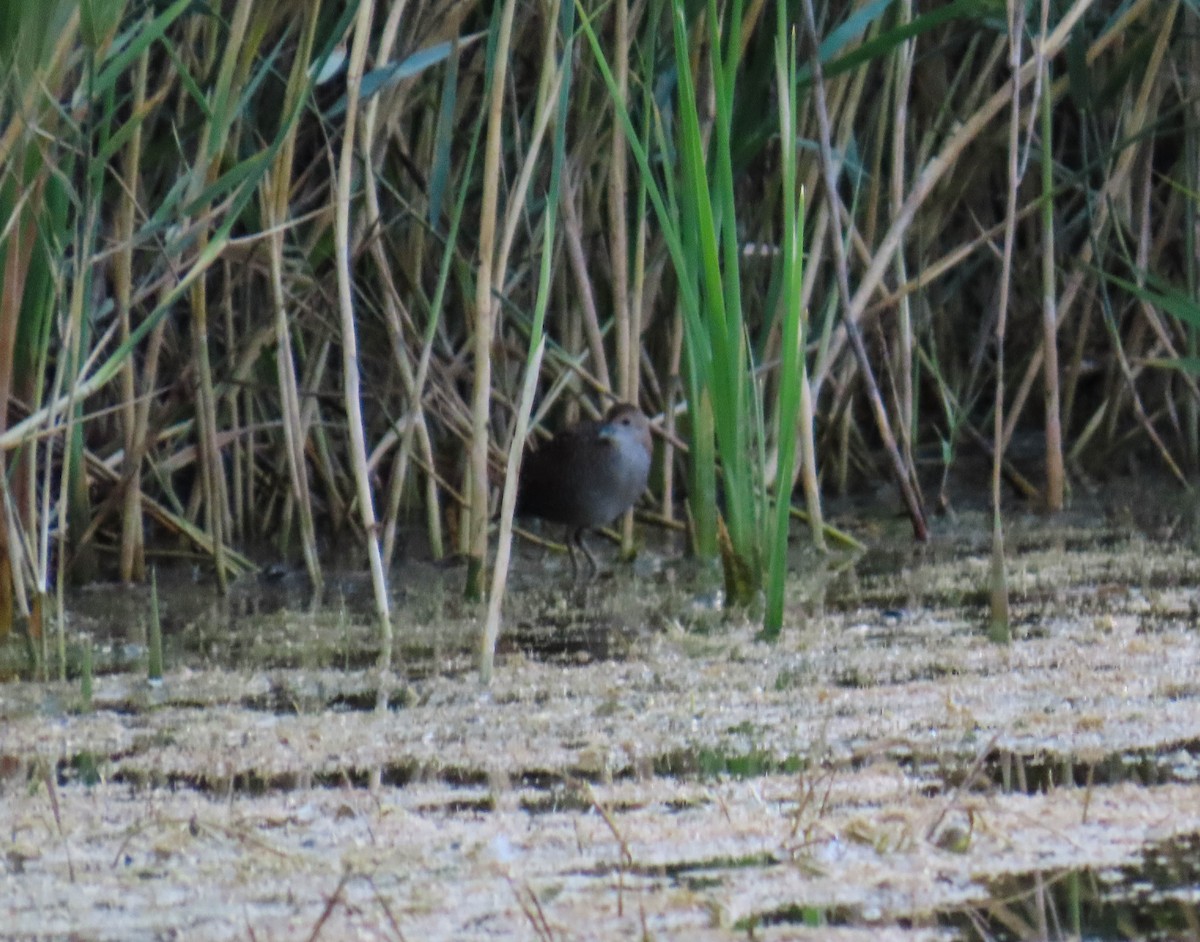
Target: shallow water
x: 643, y: 764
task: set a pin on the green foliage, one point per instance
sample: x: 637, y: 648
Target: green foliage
x: 792, y: 369
x: 196, y: 162
x: 696, y: 208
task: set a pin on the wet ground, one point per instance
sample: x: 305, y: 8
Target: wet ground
x: 643, y: 765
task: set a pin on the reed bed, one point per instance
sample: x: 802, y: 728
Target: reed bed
x: 275, y: 274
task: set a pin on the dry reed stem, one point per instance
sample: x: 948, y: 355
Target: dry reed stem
x: 508, y: 504
x: 485, y: 312
x: 1056, y: 477
x: 1113, y: 183
x: 276, y: 200
x: 898, y: 179
x: 929, y: 176
x: 352, y: 390
x: 627, y: 335
x: 903, y: 475
x: 395, y: 315
x: 132, y: 562
x: 585, y: 296
x: 999, y: 627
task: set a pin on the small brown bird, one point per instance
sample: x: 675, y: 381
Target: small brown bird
x: 588, y: 474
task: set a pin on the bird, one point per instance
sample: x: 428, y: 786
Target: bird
x: 588, y: 475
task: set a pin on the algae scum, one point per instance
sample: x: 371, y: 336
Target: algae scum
x: 643, y: 766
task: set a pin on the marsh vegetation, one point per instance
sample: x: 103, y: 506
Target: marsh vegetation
x: 295, y: 284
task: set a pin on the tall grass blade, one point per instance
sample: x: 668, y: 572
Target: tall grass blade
x: 792, y: 373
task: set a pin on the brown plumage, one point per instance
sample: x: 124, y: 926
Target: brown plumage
x: 588, y: 474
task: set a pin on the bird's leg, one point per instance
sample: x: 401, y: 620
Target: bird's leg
x: 574, y: 538
x: 570, y: 541
x: 577, y: 540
